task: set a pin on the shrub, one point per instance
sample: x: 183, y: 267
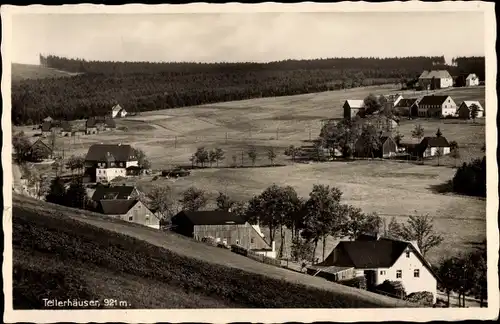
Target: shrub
x: 392, y: 288
x: 209, y: 240
x: 421, y: 297
x: 356, y: 282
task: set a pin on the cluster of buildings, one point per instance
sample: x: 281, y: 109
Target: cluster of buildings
x: 441, y: 79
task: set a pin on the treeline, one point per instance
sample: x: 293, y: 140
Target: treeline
x: 146, y: 86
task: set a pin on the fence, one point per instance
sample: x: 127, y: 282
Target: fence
x: 255, y: 256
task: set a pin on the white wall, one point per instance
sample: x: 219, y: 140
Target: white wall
x: 425, y: 281
x: 446, y: 82
x: 131, y: 163
x: 109, y: 174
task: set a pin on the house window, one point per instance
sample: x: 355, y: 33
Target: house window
x: 407, y: 254
x: 252, y: 240
x: 147, y: 218
x: 416, y: 273
x: 399, y: 274
x: 131, y: 218
x: 382, y: 272
x: 237, y: 241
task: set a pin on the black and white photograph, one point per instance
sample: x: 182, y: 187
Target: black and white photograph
x: 262, y: 162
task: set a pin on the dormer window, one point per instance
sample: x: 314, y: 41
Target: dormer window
x: 407, y: 254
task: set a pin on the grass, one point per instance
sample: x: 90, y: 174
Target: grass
x: 170, y: 137
x: 31, y: 71
x: 63, y: 253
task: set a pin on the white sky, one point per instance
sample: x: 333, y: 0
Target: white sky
x: 207, y: 37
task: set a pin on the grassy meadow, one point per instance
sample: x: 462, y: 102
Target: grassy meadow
x: 398, y: 189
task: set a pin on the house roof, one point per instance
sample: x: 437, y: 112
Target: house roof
x: 104, y: 152
x: 468, y: 104
x: 117, y: 206
x: 438, y: 74
x: 405, y: 102
x: 65, y: 125
x: 113, y: 192
x: 433, y: 100
x: 212, y: 217
x: 435, y: 141
x: 40, y: 142
x: 472, y: 76
x: 355, y: 103
x: 117, y: 108
x: 329, y: 269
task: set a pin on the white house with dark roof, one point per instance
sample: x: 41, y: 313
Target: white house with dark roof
x: 105, y: 162
x: 464, y: 111
x: 435, y: 79
x: 130, y: 210
x: 117, y: 111
x: 379, y: 259
x: 437, y: 106
x: 472, y: 80
x: 352, y: 108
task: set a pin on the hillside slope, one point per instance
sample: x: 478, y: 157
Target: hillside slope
x: 28, y: 71
x: 59, y: 254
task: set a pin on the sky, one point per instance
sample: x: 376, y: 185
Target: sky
x: 258, y: 37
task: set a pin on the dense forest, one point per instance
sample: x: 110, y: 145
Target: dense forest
x: 145, y: 86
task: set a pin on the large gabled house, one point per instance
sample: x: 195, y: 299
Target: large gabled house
x: 105, y: 162
x: 471, y: 80
x: 428, y: 147
x: 435, y: 79
x: 406, y: 107
x: 130, y: 210
x: 353, y: 108
x: 39, y: 150
x: 118, y: 112
x: 437, y: 106
x: 379, y: 259
x: 224, y: 227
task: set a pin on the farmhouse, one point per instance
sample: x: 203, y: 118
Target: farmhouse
x: 464, y: 111
x: 130, y: 210
x: 65, y: 128
x: 224, y: 227
x: 390, y: 101
x: 40, y: 150
x: 117, y: 112
x: 379, y: 259
x: 353, y: 108
x: 437, y: 106
x: 430, y: 145
x: 388, y: 148
x: 435, y: 79
x: 472, y: 80
x: 46, y: 128
x: 115, y: 192
x: 91, y: 126
x: 406, y: 107
x: 94, y: 125
x: 105, y: 162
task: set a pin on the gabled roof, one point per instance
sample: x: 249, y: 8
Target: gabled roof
x: 104, y: 152
x: 405, y: 103
x: 435, y: 141
x: 468, y: 104
x: 212, y: 217
x: 116, y: 206
x: 433, y: 100
x: 472, y: 76
x: 39, y: 142
x: 355, y: 103
x: 117, y: 108
x: 113, y: 192
x: 438, y: 74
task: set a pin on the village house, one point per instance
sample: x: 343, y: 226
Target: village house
x: 95, y: 125
x: 406, y: 107
x: 66, y: 128
x: 118, y: 112
x: 130, y: 210
x: 472, y: 80
x: 435, y: 79
x: 224, y: 227
x: 379, y: 259
x: 46, y: 128
x: 437, y: 106
x: 388, y: 147
x: 91, y: 126
x: 105, y: 162
x: 115, y: 192
x: 353, y: 108
x: 390, y: 101
x: 464, y: 111
x: 429, y: 146
x: 42, y: 150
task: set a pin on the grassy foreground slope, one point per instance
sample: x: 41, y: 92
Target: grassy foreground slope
x: 58, y: 254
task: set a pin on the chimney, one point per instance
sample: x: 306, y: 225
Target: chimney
x: 273, y: 246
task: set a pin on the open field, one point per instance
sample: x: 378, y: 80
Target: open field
x: 67, y: 253
x: 170, y: 137
x: 29, y: 71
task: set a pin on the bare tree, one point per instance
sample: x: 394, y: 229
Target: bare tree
x: 271, y: 155
x: 419, y: 228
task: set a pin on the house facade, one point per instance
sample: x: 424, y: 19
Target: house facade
x: 130, y: 210
x: 389, y: 147
x: 118, y: 112
x: 104, y: 162
x: 472, y: 80
x: 66, y: 129
x: 464, y: 111
x: 379, y: 259
x: 224, y: 227
x: 437, y: 106
x: 429, y: 146
x: 406, y: 107
x: 353, y: 108
x: 435, y: 79
x: 42, y: 150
